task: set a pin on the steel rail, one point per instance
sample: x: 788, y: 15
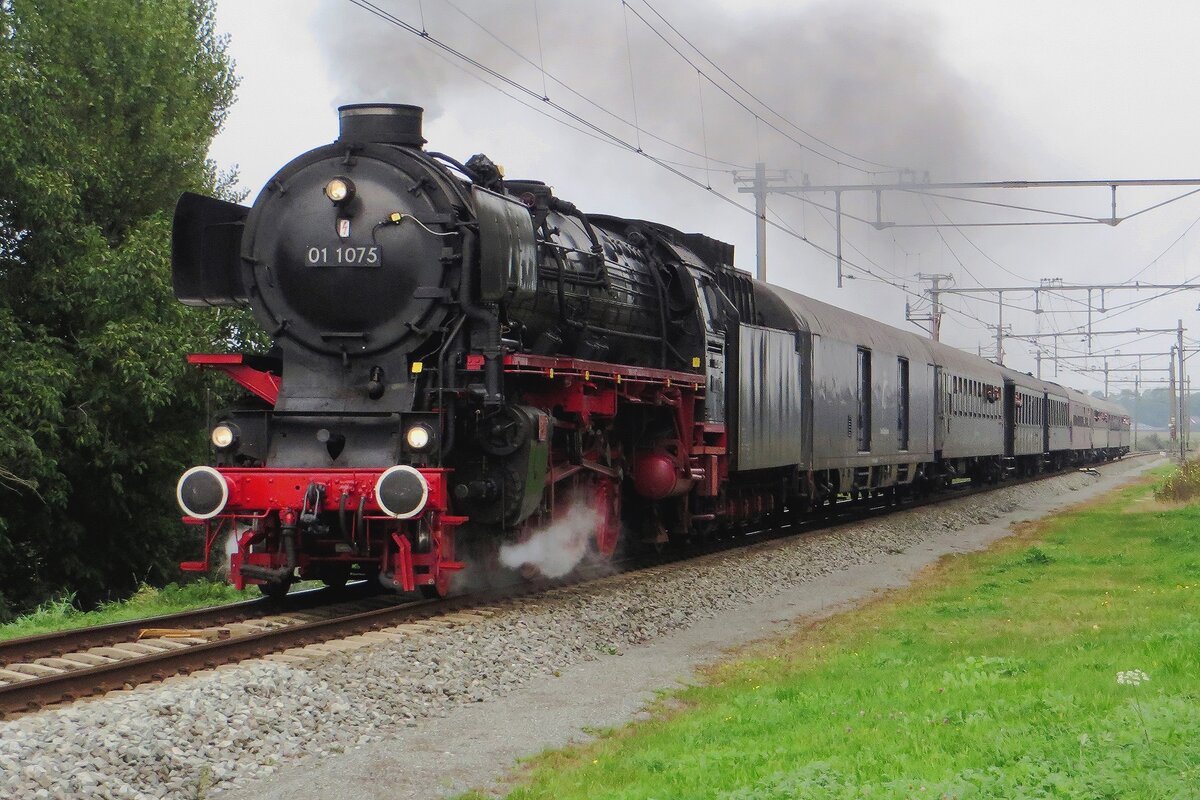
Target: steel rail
x: 71, y: 685
x: 74, y: 640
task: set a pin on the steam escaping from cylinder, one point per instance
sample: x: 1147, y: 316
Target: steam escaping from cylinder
x: 556, y: 548
x: 228, y: 546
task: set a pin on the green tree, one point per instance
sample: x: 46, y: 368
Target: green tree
x: 107, y: 109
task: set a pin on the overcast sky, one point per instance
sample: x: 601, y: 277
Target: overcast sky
x: 1018, y: 90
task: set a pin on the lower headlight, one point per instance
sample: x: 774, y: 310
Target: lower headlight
x: 418, y: 436
x: 224, y: 436
x: 202, y: 492
x: 401, y: 492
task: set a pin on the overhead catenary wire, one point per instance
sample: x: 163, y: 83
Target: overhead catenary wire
x: 582, y: 123
x: 540, y: 109
x: 1175, y: 199
x: 597, y: 132
x: 1119, y: 309
x: 764, y: 104
x: 972, y: 316
x: 871, y: 275
x: 1166, y: 250
x: 637, y: 128
x: 537, y: 22
x: 1069, y: 219
x: 549, y: 75
x: 374, y: 9
x: 973, y: 244
x: 996, y: 204
x: 969, y: 241
x: 703, y: 124
x: 953, y: 254
x: 781, y: 224
x: 849, y: 243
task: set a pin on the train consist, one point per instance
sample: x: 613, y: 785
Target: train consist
x: 461, y: 359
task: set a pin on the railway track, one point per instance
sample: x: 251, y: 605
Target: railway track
x: 30, y: 661
x: 59, y: 643
x: 63, y: 667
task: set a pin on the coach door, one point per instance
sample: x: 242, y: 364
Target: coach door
x: 1010, y: 417
x: 1046, y: 407
x: 864, y: 400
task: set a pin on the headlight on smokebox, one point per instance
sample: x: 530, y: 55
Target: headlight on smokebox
x: 202, y: 492
x: 340, y: 190
x: 419, y: 437
x: 402, y: 492
x: 225, y: 436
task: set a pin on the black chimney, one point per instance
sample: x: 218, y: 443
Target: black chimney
x: 381, y: 123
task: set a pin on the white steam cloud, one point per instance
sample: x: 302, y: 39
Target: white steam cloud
x: 557, y: 548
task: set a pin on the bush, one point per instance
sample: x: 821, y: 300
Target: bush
x: 1181, y: 485
x: 1153, y: 441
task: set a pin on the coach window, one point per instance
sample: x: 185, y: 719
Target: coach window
x: 902, y: 414
x: 864, y: 400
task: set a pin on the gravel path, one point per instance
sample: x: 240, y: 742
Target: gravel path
x: 222, y: 730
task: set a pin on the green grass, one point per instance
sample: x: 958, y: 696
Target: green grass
x: 60, y: 615
x: 993, y: 677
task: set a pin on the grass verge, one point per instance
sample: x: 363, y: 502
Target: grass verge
x: 995, y: 676
x: 148, y: 601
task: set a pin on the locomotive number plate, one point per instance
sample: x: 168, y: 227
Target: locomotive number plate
x: 343, y: 256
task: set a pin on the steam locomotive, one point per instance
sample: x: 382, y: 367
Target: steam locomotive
x: 460, y: 358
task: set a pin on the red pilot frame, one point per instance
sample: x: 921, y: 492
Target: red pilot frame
x: 266, y: 505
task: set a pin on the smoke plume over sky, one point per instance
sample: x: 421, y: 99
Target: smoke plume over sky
x: 962, y: 91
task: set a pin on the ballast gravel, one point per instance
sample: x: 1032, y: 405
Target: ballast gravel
x: 195, y: 737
